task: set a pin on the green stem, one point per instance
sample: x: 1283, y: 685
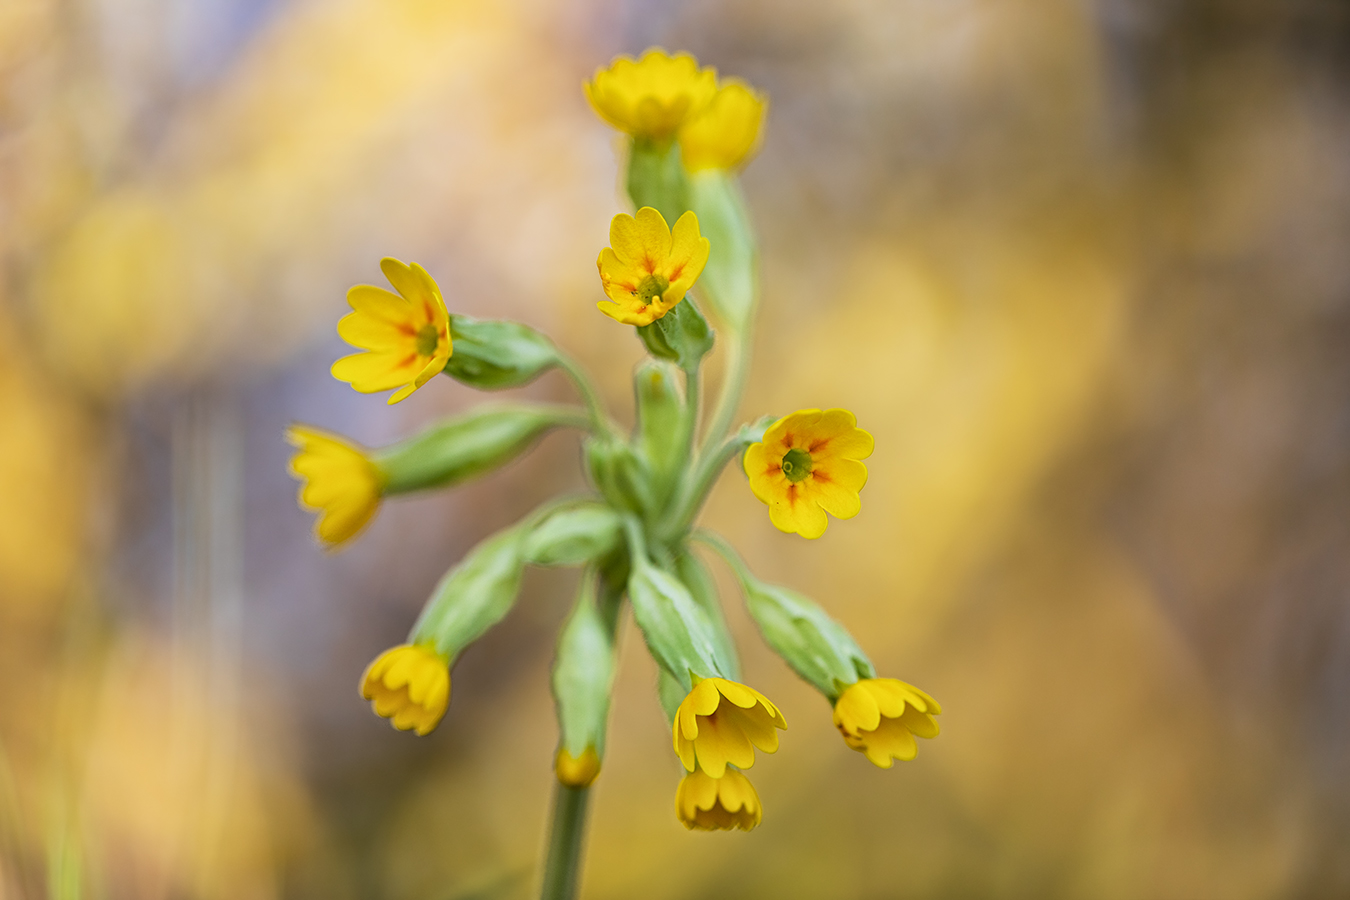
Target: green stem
x: 600, y: 420
x: 691, y: 411
x: 738, y: 369
x: 562, y: 867
x: 698, y: 481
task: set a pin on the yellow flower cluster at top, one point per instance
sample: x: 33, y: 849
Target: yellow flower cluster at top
x: 660, y: 97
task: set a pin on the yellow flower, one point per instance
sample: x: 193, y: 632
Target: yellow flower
x: 341, y: 483
x: 647, y: 268
x: 881, y: 716
x: 407, y: 334
x: 717, y: 804
x: 652, y: 97
x: 727, y: 132
x: 808, y: 465
x: 409, y: 685
x: 577, y: 771
x: 718, y: 722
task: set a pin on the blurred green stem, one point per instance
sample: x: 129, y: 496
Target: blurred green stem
x: 562, y: 869
x: 600, y: 421
x: 738, y: 368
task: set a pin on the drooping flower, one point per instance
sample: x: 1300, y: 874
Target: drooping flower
x: 409, y: 685
x: 808, y: 465
x: 577, y: 771
x: 652, y: 97
x: 341, y: 483
x: 721, y: 722
x: 726, y: 133
x: 717, y: 804
x: 648, y: 267
x: 406, y: 335
x: 881, y: 716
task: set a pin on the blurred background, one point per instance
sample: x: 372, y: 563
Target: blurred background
x: 1083, y: 268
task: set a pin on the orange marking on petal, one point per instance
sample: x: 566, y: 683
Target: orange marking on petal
x: 675, y: 272
x: 818, y: 444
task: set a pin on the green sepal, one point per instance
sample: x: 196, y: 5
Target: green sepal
x: 703, y: 589
x: 657, y: 179
x: 661, y: 426
x: 492, y: 355
x: 574, y: 535
x: 674, y: 626
x: 474, y: 595
x: 681, y: 335
x: 583, y: 669
x: 619, y: 473
x: 817, y: 647
x: 730, y: 281
x: 460, y: 448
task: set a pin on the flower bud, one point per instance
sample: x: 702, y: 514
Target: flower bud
x: 491, y: 355
x: 727, y: 132
x: 583, y: 672
x: 574, y: 535
x: 620, y: 475
x: 696, y: 577
x: 674, y: 626
x: 661, y: 423
x: 474, y: 595
x: 469, y: 445
x: 817, y: 647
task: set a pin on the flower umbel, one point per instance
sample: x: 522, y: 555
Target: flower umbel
x: 341, y: 483
x: 881, y: 716
x: 407, y: 335
x: 726, y: 133
x: 409, y: 685
x: 577, y: 771
x: 722, y: 722
x: 717, y: 804
x: 652, y: 97
x: 808, y: 465
x: 648, y: 267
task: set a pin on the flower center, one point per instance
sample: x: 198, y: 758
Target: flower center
x: 652, y: 287
x: 426, y: 340
x: 796, y: 464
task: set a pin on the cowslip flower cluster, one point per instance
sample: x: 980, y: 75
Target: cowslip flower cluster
x: 633, y: 535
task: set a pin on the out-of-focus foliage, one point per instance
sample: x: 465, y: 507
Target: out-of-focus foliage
x: 1079, y: 267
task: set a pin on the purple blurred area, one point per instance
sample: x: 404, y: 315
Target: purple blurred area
x: 1080, y: 267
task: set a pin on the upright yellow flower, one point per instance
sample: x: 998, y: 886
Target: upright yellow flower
x: 409, y: 685
x: 717, y: 804
x: 719, y: 721
x: 577, y: 771
x: 341, y: 483
x: 407, y: 334
x: 881, y: 716
x: 809, y: 464
x: 652, y: 97
x: 647, y: 268
x: 726, y: 132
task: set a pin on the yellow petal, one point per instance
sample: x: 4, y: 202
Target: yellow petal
x: 643, y: 242
x: 374, y: 333
x: 377, y: 371
x: 377, y: 303
x: 856, y: 710
x: 837, y: 500
x: 847, y: 474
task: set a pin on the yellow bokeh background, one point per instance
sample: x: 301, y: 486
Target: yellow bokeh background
x: 1080, y: 267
